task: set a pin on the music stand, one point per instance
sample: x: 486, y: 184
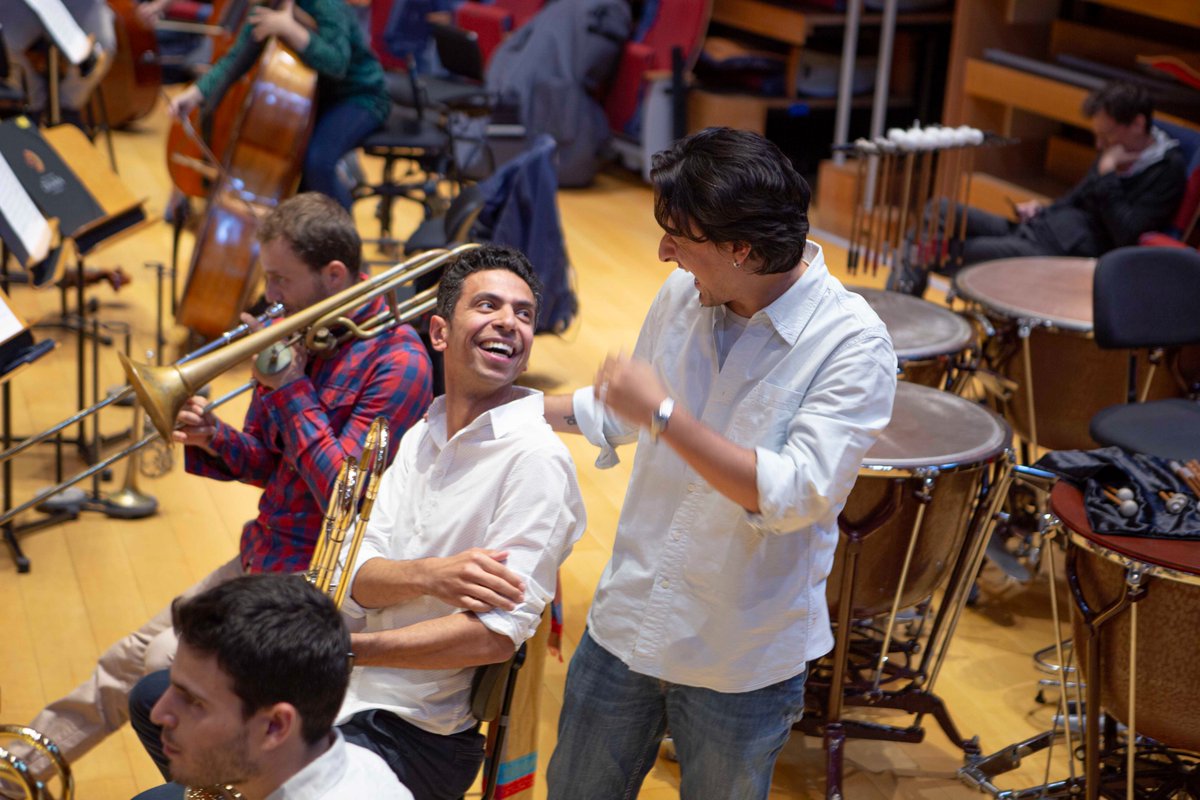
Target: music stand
x: 68, y: 179
x: 17, y: 351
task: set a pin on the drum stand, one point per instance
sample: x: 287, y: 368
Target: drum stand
x: 834, y: 685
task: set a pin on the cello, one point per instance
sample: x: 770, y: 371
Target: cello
x: 261, y: 167
x: 185, y: 155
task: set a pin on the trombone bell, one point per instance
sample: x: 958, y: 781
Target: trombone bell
x: 161, y: 391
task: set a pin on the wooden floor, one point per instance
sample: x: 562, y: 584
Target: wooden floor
x: 95, y: 579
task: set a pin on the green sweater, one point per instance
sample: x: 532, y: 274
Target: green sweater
x: 345, y: 66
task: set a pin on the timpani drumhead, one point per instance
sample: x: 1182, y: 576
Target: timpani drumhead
x: 929, y: 428
x: 919, y: 328
x: 932, y: 428
x: 1054, y: 290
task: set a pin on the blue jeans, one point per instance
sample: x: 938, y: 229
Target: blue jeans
x: 613, y: 720
x: 339, y: 129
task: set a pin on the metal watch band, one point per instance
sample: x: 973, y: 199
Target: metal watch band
x: 660, y: 418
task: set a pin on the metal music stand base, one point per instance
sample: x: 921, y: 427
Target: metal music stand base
x: 12, y: 533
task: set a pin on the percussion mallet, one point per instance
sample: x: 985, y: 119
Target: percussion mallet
x: 1175, y: 502
x: 882, y: 210
x: 862, y: 148
x: 954, y: 159
x: 1123, y: 500
x: 902, y: 139
x: 975, y: 138
x: 926, y: 214
x: 1187, y: 475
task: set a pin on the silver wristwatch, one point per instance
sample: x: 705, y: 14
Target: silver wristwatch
x: 660, y: 418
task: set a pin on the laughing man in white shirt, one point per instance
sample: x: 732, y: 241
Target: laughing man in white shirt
x: 482, y: 477
x: 757, y: 385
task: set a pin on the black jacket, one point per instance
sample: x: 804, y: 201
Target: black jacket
x: 1104, y: 212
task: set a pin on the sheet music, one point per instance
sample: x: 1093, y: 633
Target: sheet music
x: 63, y: 28
x: 10, y: 323
x: 22, y: 215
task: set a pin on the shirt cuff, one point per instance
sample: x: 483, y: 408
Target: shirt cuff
x: 590, y: 417
x: 519, y: 625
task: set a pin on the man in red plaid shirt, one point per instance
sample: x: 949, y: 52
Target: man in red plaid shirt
x: 302, y: 422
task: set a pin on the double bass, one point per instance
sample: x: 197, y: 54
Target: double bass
x: 134, y: 81
x: 261, y: 167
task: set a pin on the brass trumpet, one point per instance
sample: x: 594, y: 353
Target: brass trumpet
x: 350, y: 503
x: 16, y: 770
x: 162, y: 391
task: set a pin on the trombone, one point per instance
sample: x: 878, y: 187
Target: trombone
x: 275, y: 310
x: 162, y: 391
x: 15, y: 769
x: 350, y: 503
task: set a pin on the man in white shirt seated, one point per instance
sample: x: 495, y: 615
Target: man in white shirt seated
x: 261, y: 670
x: 756, y: 387
x: 473, y: 519
x: 484, y: 470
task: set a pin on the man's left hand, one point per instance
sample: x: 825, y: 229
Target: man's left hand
x: 291, y: 372
x: 631, y: 388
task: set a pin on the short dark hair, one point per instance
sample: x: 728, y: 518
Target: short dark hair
x: 489, y: 256
x: 317, y: 229
x: 730, y: 186
x: 279, y: 639
x: 1122, y: 101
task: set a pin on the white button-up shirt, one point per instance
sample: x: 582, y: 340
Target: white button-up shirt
x: 343, y: 772
x: 699, y: 591
x: 504, y: 482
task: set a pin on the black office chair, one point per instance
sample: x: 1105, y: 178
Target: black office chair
x: 450, y: 229
x: 409, y: 138
x: 491, y: 699
x: 1148, y: 297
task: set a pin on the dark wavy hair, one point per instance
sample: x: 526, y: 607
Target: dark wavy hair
x: 489, y: 256
x: 1122, y: 101
x: 279, y: 639
x: 729, y: 186
x: 317, y: 229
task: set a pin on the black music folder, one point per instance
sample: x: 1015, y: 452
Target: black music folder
x: 57, y: 189
x: 25, y: 231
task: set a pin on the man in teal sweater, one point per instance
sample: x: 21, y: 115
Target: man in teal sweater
x: 351, y: 100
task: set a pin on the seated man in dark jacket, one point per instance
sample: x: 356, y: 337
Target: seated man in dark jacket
x: 1135, y: 185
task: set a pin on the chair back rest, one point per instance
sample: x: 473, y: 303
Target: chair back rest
x: 458, y: 50
x: 522, y: 10
x: 491, y: 686
x: 1189, y: 148
x: 462, y: 213
x: 664, y: 26
x: 1147, y: 297
x: 667, y: 24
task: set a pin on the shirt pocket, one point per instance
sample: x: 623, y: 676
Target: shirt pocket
x: 338, y: 402
x: 763, y: 416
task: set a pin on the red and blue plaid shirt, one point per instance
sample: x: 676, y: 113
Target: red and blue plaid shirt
x: 295, y: 438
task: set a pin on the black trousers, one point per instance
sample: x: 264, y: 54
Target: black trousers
x: 432, y: 766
